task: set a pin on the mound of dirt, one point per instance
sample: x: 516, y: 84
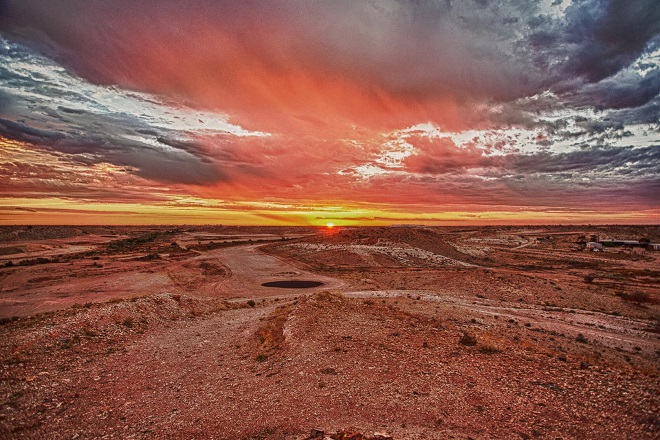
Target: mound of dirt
x: 110, y: 321
x: 429, y: 239
x: 377, y: 247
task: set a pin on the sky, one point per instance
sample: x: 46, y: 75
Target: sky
x: 303, y: 112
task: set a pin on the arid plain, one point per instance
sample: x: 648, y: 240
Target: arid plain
x: 411, y: 332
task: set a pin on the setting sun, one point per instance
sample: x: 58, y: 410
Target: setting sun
x: 329, y: 225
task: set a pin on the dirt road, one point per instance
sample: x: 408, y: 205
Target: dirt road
x: 616, y: 332
x: 44, y: 288
x: 250, y: 268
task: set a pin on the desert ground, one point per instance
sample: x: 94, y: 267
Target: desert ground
x: 403, y: 332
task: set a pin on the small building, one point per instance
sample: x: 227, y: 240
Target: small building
x: 653, y: 247
x: 622, y: 243
x: 628, y: 244
x: 594, y: 246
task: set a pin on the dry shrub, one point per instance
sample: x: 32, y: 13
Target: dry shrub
x: 270, y: 336
x: 328, y: 296
x: 491, y: 343
x: 581, y: 338
x: 489, y: 349
x: 637, y: 297
x: 468, y: 339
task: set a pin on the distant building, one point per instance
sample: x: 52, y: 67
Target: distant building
x: 612, y: 242
x: 629, y: 243
x: 594, y: 247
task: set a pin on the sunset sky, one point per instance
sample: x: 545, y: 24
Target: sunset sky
x: 306, y: 112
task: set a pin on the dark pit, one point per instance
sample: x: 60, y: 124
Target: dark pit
x: 293, y: 284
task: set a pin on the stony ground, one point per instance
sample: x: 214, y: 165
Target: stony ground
x: 191, y: 369
x: 399, y: 348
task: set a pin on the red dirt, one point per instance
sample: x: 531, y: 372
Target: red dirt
x: 209, y: 353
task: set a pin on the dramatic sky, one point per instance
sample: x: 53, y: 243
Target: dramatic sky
x: 309, y: 111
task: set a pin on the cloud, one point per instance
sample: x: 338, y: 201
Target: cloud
x: 439, y: 156
x: 423, y: 104
x: 46, y: 105
x: 386, y: 64
x: 594, y: 162
x: 627, y: 89
x: 17, y: 130
x: 607, y: 35
x: 31, y: 172
x: 363, y: 40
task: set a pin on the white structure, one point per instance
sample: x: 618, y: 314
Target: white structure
x: 594, y: 247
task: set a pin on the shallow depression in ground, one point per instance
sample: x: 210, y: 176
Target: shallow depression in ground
x: 293, y: 284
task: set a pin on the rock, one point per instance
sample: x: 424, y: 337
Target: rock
x: 468, y: 339
x: 382, y: 436
x: 316, y: 433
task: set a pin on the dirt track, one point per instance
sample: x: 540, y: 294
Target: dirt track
x: 612, y: 331
x: 250, y: 268
x: 239, y: 273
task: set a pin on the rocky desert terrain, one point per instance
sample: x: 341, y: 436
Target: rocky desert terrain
x: 405, y: 332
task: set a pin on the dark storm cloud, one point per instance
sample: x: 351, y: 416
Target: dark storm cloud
x: 648, y: 114
x: 609, y: 167
x: 602, y: 162
x: 410, y: 49
x: 53, y: 174
x: 423, y: 49
x: 176, y: 166
x: 191, y: 147
x: 589, y: 59
x: 71, y: 110
x: 45, y: 105
x: 607, y: 35
x: 622, y: 92
x: 23, y: 132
